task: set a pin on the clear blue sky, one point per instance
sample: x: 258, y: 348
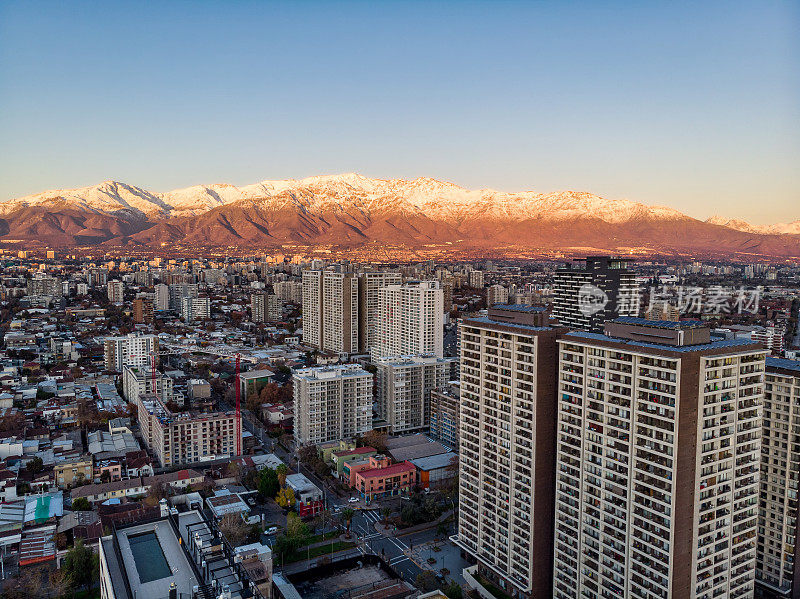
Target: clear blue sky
x: 693, y: 105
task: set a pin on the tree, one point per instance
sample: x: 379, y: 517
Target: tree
x: 105, y: 476
x: 81, y: 566
x: 285, y: 498
x: 375, y: 439
x: 234, y: 529
x: 454, y: 591
x: 386, y: 512
x: 296, y: 528
x: 155, y: 494
x: 59, y: 583
x: 35, y: 465
x: 426, y: 581
x: 81, y: 504
x: 281, y: 471
x: 268, y: 483
x: 347, y: 517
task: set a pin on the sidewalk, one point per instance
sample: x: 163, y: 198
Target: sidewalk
x: 389, y: 532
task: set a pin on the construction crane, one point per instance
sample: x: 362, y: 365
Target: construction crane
x: 238, y: 410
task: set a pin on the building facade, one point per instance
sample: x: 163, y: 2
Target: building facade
x: 129, y: 350
x: 658, y: 447
x: 404, y: 386
x: 506, y: 466
x: 331, y: 403
x: 369, y: 285
x: 411, y: 320
x: 777, y: 573
x: 339, y: 312
x: 312, y: 308
x: 603, y: 289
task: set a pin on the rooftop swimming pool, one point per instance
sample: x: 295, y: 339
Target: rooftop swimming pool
x: 151, y: 564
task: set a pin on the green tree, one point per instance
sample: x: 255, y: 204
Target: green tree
x: 81, y: 566
x: 454, y: 591
x: 347, y: 517
x: 426, y: 581
x: 81, y: 504
x: 282, y: 471
x: 268, y: 485
x: 386, y: 512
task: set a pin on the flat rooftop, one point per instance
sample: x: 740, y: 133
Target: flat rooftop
x: 150, y: 573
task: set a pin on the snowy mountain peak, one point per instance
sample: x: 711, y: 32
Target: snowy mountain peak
x: 355, y: 194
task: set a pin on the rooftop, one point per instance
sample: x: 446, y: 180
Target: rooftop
x: 784, y: 364
x: 717, y: 344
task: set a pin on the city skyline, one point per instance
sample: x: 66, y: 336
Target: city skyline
x: 693, y: 107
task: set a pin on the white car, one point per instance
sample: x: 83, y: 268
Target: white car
x: 353, y: 500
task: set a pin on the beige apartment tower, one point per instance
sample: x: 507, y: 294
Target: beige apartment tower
x: 507, y: 444
x: 777, y: 573
x: 658, y: 449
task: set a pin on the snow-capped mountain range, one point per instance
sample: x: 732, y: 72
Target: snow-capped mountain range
x: 350, y: 210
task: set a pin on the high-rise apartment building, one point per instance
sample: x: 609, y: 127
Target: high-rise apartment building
x: 143, y: 310
x: 603, y: 289
x: 369, y: 286
x: 116, y: 291
x: 258, y: 307
x: 289, y: 291
x: 475, y: 279
x: 778, y: 562
x: 411, y: 320
x: 507, y: 420
x: 195, y: 308
x: 178, y: 438
x: 340, y: 312
x: 139, y: 380
x: 312, y: 307
x: 129, y: 350
x: 162, y: 297
x: 42, y: 284
x: 404, y: 387
x: 265, y: 307
x: 496, y: 294
x: 331, y: 403
x: 658, y: 449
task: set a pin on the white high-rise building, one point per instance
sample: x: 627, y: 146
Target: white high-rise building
x: 129, y: 350
x: 658, y: 451
x: 777, y: 567
x: 496, y: 294
x: 289, y: 291
x: 411, y: 320
x: 369, y: 286
x: 340, y: 312
x: 404, y: 388
x: 331, y: 403
x: 195, y: 308
x: 115, y: 290
x: 506, y: 448
x: 162, y: 297
x: 312, y: 307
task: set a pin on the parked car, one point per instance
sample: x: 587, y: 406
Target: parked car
x: 353, y: 500
x: 271, y: 530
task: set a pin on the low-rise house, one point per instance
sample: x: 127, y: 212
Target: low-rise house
x: 371, y: 463
x: 393, y: 481
x: 308, y: 497
x: 73, y: 471
x: 340, y: 458
x: 436, y: 471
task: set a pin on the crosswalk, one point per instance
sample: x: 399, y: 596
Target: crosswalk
x: 373, y: 518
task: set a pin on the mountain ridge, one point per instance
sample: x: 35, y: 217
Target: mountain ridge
x: 350, y: 210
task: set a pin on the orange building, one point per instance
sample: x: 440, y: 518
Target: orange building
x: 350, y: 469
x: 392, y: 481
